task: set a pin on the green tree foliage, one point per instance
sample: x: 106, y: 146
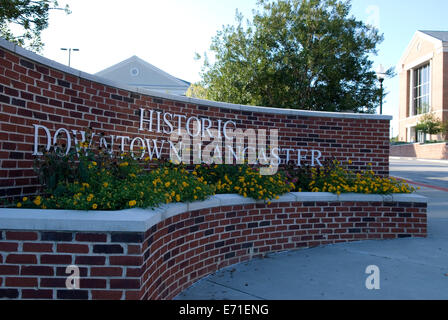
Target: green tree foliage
x: 196, y: 90
x: 429, y: 124
x: 300, y: 54
x: 22, y: 21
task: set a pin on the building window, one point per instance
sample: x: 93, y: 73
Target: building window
x: 421, y: 87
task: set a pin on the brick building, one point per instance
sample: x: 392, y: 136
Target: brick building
x: 423, y: 71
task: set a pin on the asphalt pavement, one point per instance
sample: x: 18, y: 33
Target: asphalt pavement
x: 411, y: 268
x: 430, y: 172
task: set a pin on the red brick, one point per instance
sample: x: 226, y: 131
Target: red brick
x: 55, y: 259
x: 8, y: 246
x: 37, y: 294
x: 106, y: 272
x: 9, y: 270
x: 53, y: 282
x: 89, y: 283
x: 21, y: 258
x: 37, y: 271
x: 20, y: 282
x: 37, y: 247
x: 107, y: 294
x: 90, y: 260
x: 124, y: 284
x: 12, y: 235
x: 72, y: 248
x: 91, y: 237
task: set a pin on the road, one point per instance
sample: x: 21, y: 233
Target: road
x: 429, y: 173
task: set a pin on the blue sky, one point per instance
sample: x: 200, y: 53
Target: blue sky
x: 168, y: 33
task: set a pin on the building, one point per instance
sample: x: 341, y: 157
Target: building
x: 423, y: 71
x: 136, y: 72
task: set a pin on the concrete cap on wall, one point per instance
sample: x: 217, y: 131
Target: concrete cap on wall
x: 140, y: 220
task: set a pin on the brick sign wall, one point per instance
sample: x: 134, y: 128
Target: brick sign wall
x: 42, y: 102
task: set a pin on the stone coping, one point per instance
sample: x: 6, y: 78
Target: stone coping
x: 291, y: 112
x: 140, y: 220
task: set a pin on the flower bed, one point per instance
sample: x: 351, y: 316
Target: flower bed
x: 88, y: 179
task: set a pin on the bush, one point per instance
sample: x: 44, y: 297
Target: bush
x: 430, y: 124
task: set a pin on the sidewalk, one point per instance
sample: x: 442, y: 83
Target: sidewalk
x: 409, y: 269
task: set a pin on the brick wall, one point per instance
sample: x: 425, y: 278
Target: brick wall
x: 437, y: 151
x: 176, y: 252
x: 37, y: 91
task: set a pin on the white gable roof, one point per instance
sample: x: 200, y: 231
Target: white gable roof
x: 139, y: 73
x: 438, y: 38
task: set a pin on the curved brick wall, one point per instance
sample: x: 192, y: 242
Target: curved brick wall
x: 172, y: 247
x: 38, y: 91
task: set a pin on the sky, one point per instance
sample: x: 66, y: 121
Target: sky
x: 168, y: 33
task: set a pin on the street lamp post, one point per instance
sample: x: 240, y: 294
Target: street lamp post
x: 69, y: 53
x: 381, y: 75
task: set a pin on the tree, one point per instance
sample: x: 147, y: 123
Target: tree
x: 445, y: 130
x: 196, y: 90
x: 22, y: 21
x: 429, y: 124
x: 300, y: 54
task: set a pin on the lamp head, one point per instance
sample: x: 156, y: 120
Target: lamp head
x: 381, y: 73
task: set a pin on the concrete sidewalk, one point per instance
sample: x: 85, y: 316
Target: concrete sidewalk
x: 414, y: 268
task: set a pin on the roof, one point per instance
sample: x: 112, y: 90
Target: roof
x: 440, y: 35
x: 135, y: 71
x: 438, y: 38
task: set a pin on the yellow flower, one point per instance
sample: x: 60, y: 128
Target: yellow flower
x: 123, y: 164
x: 167, y: 184
x: 19, y: 205
x: 94, y: 206
x: 25, y: 199
x: 105, y: 184
x: 37, y: 201
x: 132, y: 203
x: 177, y: 198
x: 94, y: 163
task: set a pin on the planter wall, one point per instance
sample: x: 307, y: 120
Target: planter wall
x: 156, y: 254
